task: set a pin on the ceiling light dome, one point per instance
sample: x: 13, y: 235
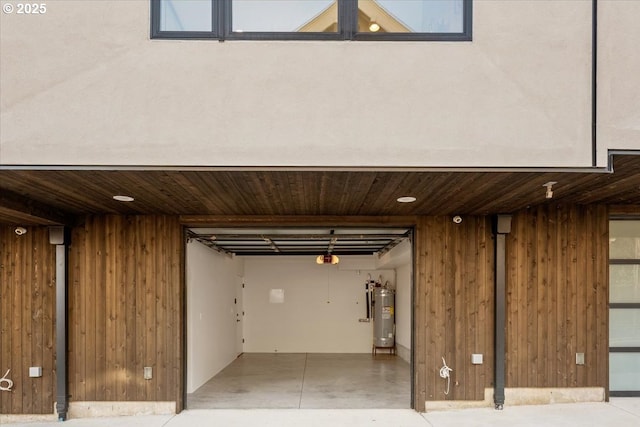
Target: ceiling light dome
x: 406, y: 199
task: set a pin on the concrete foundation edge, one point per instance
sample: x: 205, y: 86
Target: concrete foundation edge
x: 112, y: 409
x: 524, y: 396
x: 26, y: 418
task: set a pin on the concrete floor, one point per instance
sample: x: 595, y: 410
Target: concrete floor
x: 303, y: 378
x: 307, y: 381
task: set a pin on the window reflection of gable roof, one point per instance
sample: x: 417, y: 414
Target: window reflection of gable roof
x: 368, y: 11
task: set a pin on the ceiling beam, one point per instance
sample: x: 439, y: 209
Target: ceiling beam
x: 625, y: 210
x: 28, y: 211
x: 271, y: 243
x: 283, y: 237
x: 295, y: 220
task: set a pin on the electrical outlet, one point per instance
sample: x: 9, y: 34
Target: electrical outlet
x: 476, y: 359
x: 579, y: 358
x: 35, y: 371
x: 148, y: 372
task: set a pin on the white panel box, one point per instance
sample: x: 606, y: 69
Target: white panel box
x: 35, y: 371
x: 476, y: 359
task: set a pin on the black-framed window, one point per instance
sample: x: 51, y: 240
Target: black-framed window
x: 436, y: 20
x: 624, y: 307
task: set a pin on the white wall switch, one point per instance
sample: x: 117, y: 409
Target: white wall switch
x: 579, y: 358
x: 476, y: 359
x: 35, y: 371
x: 148, y: 372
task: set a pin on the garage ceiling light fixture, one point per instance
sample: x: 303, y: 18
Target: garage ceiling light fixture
x: 406, y: 199
x: 327, y: 259
x: 123, y: 198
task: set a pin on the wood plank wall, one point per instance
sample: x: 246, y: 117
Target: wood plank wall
x: 126, y: 309
x: 27, y: 320
x: 557, y: 297
x: 454, y: 300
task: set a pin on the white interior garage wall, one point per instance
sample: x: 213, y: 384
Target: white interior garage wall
x: 321, y: 308
x: 403, y: 311
x: 212, y: 281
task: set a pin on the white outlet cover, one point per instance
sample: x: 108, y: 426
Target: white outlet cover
x: 476, y: 359
x: 276, y: 296
x: 35, y: 371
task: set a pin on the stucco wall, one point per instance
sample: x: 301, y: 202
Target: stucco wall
x: 618, y: 76
x: 83, y: 84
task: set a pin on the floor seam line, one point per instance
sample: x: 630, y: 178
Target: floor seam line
x: 304, y: 371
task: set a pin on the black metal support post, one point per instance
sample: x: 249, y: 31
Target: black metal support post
x: 502, y: 228
x: 58, y: 237
x: 594, y: 82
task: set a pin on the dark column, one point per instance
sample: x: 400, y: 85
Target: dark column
x: 502, y: 228
x: 58, y: 237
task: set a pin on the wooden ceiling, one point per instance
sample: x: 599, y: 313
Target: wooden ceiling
x: 29, y: 197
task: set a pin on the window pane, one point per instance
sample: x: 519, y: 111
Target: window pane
x: 185, y: 15
x: 624, y: 283
x: 624, y: 239
x: 410, y: 16
x: 624, y: 371
x: 285, y: 15
x: 624, y: 327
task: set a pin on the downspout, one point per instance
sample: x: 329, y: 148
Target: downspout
x: 58, y: 237
x: 502, y: 227
x: 594, y: 82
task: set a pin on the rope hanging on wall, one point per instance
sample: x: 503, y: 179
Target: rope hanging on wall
x: 4, y: 379
x: 444, y: 373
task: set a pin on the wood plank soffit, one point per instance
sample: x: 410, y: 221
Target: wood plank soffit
x: 31, y: 212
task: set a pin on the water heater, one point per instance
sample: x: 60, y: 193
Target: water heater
x: 384, y: 319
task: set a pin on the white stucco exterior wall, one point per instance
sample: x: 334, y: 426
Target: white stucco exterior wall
x: 618, y: 77
x: 83, y: 84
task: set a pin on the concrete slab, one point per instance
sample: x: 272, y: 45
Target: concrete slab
x: 301, y: 417
x: 557, y: 415
x: 618, y: 413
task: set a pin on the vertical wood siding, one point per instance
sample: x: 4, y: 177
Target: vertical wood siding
x: 27, y: 320
x: 125, y: 309
x: 557, y: 301
x: 454, y: 300
x: 557, y: 297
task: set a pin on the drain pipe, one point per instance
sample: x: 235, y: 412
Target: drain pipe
x: 502, y: 227
x: 58, y: 236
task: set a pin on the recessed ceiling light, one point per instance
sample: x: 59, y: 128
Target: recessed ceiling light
x: 122, y: 198
x: 406, y: 199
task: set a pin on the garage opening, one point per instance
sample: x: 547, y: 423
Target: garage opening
x: 299, y: 318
